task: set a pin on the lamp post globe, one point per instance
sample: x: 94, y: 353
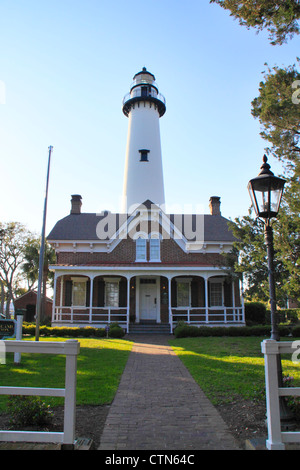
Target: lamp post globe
x: 265, y: 192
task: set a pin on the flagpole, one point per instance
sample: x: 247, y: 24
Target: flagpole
x: 42, y: 255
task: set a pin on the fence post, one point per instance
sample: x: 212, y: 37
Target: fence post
x: 72, y: 347
x: 19, y: 314
x: 270, y: 351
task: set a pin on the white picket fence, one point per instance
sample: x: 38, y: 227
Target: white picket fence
x: 276, y: 438
x: 68, y: 348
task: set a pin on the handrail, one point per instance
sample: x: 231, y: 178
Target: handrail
x: 138, y: 94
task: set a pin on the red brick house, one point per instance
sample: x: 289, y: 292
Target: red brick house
x: 143, y: 265
x: 146, y: 270
x: 27, y: 302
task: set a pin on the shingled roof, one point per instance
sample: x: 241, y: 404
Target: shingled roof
x: 83, y: 226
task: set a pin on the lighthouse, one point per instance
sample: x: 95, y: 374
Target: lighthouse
x: 143, y: 176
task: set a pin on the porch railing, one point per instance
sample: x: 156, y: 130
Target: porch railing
x: 207, y: 315
x: 92, y: 315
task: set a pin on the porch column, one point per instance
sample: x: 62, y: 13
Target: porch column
x: 91, y: 298
x: 242, y: 299
x: 233, y: 299
x: 54, y: 296
x: 128, y: 303
x: 170, y: 306
x: 206, y: 299
x: 61, y: 291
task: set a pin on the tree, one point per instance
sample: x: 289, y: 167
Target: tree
x: 279, y: 17
x: 278, y: 109
x: 30, y: 266
x: 249, y: 257
x: 13, y: 239
x: 287, y: 239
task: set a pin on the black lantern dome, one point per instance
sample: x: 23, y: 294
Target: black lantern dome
x: 266, y: 191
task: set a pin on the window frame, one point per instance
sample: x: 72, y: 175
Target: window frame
x: 143, y: 248
x: 221, y: 293
x: 144, y: 155
x: 81, y: 281
x: 151, y: 247
x: 186, y: 282
x: 111, y: 281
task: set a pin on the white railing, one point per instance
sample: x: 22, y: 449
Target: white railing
x: 207, y: 315
x: 68, y: 348
x: 137, y: 93
x: 271, y: 349
x: 92, y: 315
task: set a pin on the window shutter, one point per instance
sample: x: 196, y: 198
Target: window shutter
x: 123, y: 293
x: 100, y: 297
x: 228, y: 295
x: 68, y: 293
x: 194, y: 293
x: 88, y: 293
x: 173, y: 294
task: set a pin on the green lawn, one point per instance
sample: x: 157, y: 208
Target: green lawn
x: 224, y: 367
x: 99, y: 369
x: 227, y: 367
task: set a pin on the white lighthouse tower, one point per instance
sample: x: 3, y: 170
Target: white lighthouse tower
x: 143, y: 179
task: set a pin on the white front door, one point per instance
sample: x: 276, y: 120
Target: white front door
x: 148, y: 301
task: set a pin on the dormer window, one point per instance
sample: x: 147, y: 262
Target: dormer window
x: 154, y: 249
x: 141, y: 249
x: 144, y: 155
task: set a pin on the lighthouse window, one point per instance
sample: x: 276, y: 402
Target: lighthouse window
x: 144, y: 91
x: 144, y: 155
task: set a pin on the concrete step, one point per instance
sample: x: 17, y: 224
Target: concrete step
x: 151, y: 328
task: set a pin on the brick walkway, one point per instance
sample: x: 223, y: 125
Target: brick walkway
x: 159, y: 406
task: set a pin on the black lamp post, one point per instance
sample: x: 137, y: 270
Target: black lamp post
x: 266, y: 191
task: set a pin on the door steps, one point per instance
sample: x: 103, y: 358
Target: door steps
x: 149, y: 328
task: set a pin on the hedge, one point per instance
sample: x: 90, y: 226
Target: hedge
x: 286, y: 315
x: 74, y: 332
x: 183, y: 331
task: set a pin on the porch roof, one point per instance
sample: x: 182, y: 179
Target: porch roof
x: 139, y: 269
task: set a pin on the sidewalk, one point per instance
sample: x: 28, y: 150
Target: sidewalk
x: 159, y: 406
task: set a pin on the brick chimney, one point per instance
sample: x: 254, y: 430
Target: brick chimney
x: 214, y: 205
x: 76, y: 204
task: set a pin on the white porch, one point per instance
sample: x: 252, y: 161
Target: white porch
x: 131, y: 295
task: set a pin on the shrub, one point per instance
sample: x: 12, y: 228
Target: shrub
x: 296, y: 331
x: 29, y: 411
x: 255, y: 313
x: 115, y: 331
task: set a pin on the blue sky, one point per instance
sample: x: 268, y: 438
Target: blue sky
x: 66, y: 65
